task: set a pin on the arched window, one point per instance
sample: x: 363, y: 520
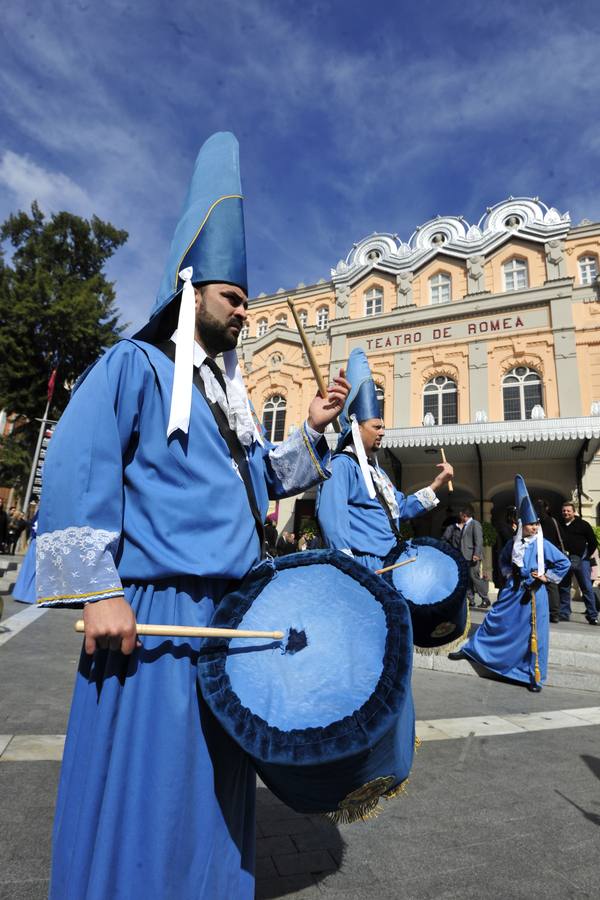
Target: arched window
x: 245, y: 332
x: 521, y: 391
x: 588, y: 269
x: 373, y: 302
x: 440, y: 398
x: 515, y: 275
x: 303, y: 316
x: 380, y: 399
x: 274, y: 418
x: 263, y: 327
x: 281, y: 320
x: 440, y: 288
x: 322, y: 318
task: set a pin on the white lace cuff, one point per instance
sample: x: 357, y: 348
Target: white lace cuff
x: 75, y: 566
x: 427, y: 498
x: 552, y: 576
x: 297, y: 462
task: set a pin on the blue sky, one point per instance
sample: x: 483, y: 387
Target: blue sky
x: 352, y: 117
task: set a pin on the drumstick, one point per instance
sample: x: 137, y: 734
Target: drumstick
x: 190, y: 631
x: 450, y: 485
x: 404, y: 562
x: 311, y: 358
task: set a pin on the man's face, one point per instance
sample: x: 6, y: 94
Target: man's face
x: 372, y: 432
x: 568, y: 513
x: 462, y: 517
x: 221, y: 310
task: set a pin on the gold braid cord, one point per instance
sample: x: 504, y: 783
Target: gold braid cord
x: 534, y: 641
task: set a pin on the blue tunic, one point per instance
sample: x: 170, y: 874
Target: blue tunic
x: 351, y: 520
x: 503, y: 642
x: 155, y: 800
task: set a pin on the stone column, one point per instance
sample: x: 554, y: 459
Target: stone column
x: 565, y: 357
x: 478, y: 378
x: 402, y: 390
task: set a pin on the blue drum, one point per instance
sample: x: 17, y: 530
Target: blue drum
x: 435, y: 588
x: 326, y: 713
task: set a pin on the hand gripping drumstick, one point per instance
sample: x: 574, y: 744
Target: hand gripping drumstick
x: 450, y: 485
x: 311, y: 358
x: 404, y: 562
x: 190, y: 631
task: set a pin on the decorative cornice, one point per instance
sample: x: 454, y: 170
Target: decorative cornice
x: 523, y: 217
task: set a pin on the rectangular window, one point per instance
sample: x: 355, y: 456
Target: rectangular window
x: 449, y: 408
x: 512, y: 402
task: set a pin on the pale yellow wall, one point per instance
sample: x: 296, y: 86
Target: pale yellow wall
x: 536, y: 264
x: 533, y: 350
x: 457, y: 271
x: 578, y: 247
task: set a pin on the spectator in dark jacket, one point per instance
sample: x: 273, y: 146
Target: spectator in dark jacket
x: 3, y: 527
x: 580, y: 543
x: 551, y: 531
x: 505, y: 532
x: 287, y: 543
x: 270, y: 538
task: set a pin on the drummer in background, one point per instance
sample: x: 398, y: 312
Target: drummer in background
x: 156, y: 487
x: 358, y: 508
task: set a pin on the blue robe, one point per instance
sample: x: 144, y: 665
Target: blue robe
x: 24, y: 590
x: 155, y: 801
x: 350, y: 520
x: 502, y: 643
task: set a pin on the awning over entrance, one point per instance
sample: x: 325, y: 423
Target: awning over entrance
x: 529, y: 439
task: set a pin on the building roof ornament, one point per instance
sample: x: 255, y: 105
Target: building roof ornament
x: 527, y: 217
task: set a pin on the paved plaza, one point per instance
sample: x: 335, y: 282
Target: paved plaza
x: 503, y: 800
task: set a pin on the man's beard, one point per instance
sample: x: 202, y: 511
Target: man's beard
x: 216, y: 336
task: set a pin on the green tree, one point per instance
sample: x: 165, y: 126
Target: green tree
x: 57, y: 308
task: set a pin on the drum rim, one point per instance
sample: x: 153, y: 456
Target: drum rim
x: 442, y: 609
x: 345, y: 737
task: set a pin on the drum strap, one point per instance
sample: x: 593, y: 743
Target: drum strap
x: 236, y: 450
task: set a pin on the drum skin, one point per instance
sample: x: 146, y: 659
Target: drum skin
x: 326, y: 714
x: 435, y: 588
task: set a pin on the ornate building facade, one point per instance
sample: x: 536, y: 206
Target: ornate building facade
x: 482, y: 338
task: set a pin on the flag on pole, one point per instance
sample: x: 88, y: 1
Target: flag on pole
x: 51, y: 383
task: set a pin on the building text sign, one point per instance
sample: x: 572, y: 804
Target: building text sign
x: 484, y: 327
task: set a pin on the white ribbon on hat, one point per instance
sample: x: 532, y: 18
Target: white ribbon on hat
x: 362, y: 458
x: 181, y: 396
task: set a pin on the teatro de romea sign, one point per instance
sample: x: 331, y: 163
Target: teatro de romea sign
x: 484, y: 327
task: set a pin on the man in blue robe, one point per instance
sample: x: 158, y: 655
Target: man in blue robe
x: 156, y: 487
x: 358, y: 508
x: 513, y: 639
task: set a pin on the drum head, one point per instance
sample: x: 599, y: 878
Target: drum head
x: 434, y: 585
x: 327, y: 711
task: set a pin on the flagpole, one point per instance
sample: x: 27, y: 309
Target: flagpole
x: 36, y: 456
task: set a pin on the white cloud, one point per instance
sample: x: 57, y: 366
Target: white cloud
x: 53, y: 191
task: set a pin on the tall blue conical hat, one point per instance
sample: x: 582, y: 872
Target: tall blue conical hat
x: 209, y: 237
x: 525, y: 508
x: 209, y: 245
x: 362, y: 402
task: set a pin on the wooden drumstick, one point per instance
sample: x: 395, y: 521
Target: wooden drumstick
x: 450, y: 485
x: 311, y: 358
x: 404, y: 562
x: 190, y: 631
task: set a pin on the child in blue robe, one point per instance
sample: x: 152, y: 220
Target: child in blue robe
x: 513, y: 639
x: 358, y: 508
x: 143, y: 499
